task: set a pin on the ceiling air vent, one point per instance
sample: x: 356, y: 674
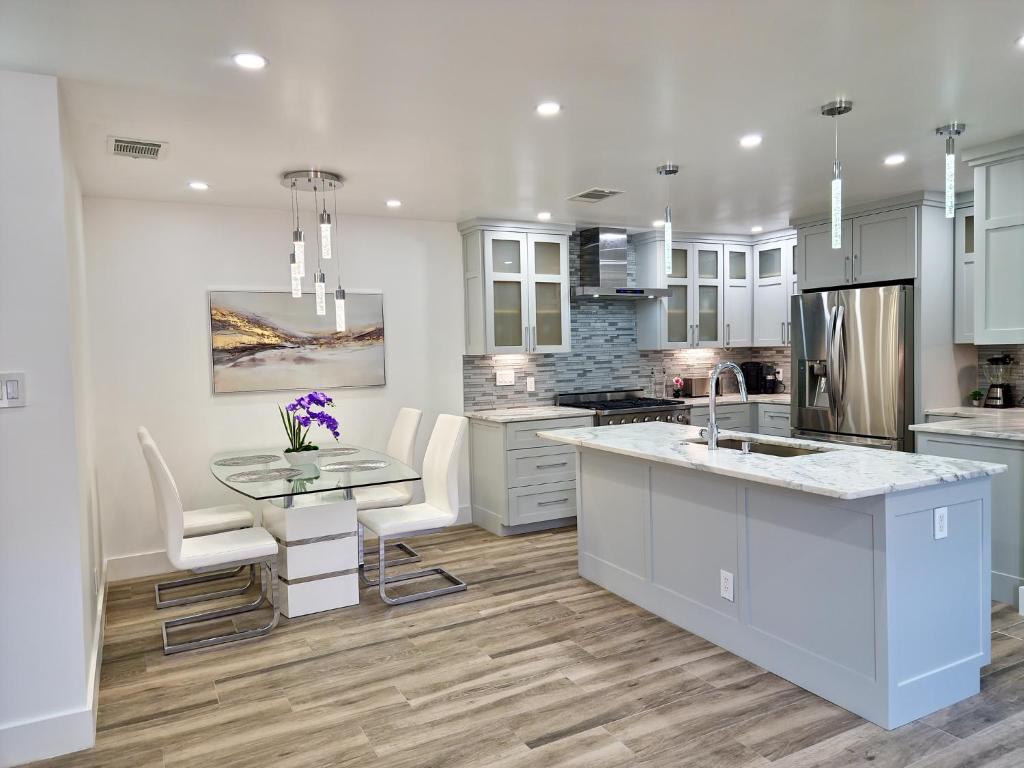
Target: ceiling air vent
x: 137, y: 148
x: 594, y: 195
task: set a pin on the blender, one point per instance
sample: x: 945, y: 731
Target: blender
x: 1000, y: 391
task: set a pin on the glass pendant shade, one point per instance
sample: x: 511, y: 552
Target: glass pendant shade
x: 299, y: 244
x: 325, y: 235
x: 950, y: 179
x: 668, y: 240
x: 837, y: 207
x: 321, y: 293
x: 339, y: 310
x: 296, y: 278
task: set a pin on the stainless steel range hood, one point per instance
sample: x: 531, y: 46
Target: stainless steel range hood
x: 603, y: 267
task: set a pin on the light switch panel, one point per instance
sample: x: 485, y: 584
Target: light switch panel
x: 531, y: 384
x: 12, y: 390
x: 506, y: 377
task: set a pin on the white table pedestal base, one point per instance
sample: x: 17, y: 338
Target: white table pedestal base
x: 317, y: 552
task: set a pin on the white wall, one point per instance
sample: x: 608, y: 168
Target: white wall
x: 47, y: 602
x: 150, y: 266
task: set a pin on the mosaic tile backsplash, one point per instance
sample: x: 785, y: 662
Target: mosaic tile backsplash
x: 604, y: 356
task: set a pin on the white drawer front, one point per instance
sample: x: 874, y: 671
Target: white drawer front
x: 539, y: 503
x: 773, y: 417
x: 776, y: 431
x: 523, y: 434
x: 541, y: 465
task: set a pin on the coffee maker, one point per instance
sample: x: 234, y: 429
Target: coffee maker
x: 1000, y: 391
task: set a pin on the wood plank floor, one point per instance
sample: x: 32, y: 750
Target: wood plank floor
x: 532, y: 666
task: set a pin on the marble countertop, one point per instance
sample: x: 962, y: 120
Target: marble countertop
x: 842, y: 472
x: 997, y: 423
x: 529, y: 413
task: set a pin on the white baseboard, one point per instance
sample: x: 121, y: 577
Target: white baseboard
x: 138, y: 565
x: 465, y: 515
x: 62, y: 732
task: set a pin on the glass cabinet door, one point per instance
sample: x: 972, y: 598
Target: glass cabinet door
x: 506, y: 268
x: 707, y: 297
x: 678, y: 320
x: 549, y: 293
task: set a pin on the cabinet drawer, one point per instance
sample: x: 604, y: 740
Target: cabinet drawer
x: 773, y: 416
x: 523, y: 434
x: 541, y: 465
x: 535, y: 504
x: 735, y: 416
x: 776, y: 431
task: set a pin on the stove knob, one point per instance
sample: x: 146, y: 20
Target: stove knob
x: 647, y: 418
x: 636, y: 419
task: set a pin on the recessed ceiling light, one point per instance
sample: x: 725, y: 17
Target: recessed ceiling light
x: 658, y: 223
x: 896, y: 159
x: 1020, y: 41
x: 544, y: 216
x: 200, y: 186
x: 548, y: 108
x: 755, y: 230
x: 750, y: 140
x: 250, y: 60
x: 394, y: 203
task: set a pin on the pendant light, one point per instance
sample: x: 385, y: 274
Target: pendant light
x: 950, y: 132
x: 835, y: 109
x: 319, y: 183
x: 668, y: 170
x: 339, y: 292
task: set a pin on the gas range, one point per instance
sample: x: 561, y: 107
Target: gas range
x: 627, y: 406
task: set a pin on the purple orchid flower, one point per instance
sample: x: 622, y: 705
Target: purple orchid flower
x: 300, y: 414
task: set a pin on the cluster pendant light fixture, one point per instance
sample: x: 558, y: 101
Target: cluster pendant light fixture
x: 951, y: 131
x: 835, y: 109
x: 668, y: 170
x: 319, y: 183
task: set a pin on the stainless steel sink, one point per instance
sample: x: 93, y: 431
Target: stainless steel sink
x: 753, y: 446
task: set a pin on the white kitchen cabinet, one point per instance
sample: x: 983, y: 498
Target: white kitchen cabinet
x: 963, y: 277
x: 693, y: 316
x: 739, y: 296
x: 516, y: 280
x: 738, y: 417
x: 884, y: 246
x: 774, y: 283
x: 998, y: 241
x: 821, y: 265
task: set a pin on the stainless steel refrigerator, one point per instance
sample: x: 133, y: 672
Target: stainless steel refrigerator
x: 853, y: 357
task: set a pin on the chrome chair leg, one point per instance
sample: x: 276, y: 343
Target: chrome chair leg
x: 163, y: 602
x: 410, y: 555
x: 457, y: 584
x: 267, y: 583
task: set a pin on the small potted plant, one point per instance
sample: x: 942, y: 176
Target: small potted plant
x: 677, y: 387
x: 297, y: 417
x: 975, y: 398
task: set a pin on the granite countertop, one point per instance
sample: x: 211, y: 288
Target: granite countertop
x: 528, y: 413
x: 734, y: 397
x: 842, y: 472
x: 998, y: 423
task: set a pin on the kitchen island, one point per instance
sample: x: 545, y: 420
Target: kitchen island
x: 858, y: 574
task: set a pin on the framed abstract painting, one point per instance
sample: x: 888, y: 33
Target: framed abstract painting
x: 268, y: 340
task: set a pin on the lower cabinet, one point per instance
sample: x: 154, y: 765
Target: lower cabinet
x: 518, y: 481
x: 758, y: 418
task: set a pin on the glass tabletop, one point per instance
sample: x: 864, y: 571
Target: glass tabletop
x: 264, y: 474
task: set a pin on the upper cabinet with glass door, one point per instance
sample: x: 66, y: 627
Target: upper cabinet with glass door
x: 693, y: 315
x: 516, y: 287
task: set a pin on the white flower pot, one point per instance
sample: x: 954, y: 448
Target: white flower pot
x: 298, y: 458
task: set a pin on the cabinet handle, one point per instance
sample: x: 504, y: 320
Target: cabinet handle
x: 783, y: 331
x: 789, y: 332
x: 550, y: 466
x: 846, y: 267
x: 855, y: 272
x: 728, y: 333
x: 552, y: 501
x: 533, y: 337
x: 526, y: 338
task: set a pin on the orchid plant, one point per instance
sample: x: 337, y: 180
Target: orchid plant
x: 300, y: 415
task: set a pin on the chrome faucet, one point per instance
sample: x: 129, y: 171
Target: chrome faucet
x: 712, y: 429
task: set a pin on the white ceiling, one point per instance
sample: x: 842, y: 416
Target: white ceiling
x: 432, y: 101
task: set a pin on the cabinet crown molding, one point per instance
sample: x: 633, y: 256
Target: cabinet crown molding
x: 657, y: 235
x: 508, y: 225
x: 928, y: 199
x: 996, y: 151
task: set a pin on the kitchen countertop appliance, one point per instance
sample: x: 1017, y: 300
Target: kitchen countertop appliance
x: 627, y: 406
x: 761, y: 378
x: 1000, y: 391
x: 853, y: 366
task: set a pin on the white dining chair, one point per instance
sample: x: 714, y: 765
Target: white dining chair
x: 439, y: 510
x: 214, y: 551
x: 401, y: 447
x: 200, y: 522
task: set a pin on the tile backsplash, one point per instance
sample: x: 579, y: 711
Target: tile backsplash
x: 604, y: 356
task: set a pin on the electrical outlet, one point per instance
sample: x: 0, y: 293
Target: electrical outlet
x: 506, y: 377
x: 941, y: 522
x: 726, y: 588
x: 531, y: 384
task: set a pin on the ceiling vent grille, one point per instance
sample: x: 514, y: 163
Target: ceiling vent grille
x: 137, y: 148
x: 594, y: 195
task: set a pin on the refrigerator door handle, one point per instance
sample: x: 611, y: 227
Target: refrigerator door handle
x: 830, y: 369
x: 840, y: 344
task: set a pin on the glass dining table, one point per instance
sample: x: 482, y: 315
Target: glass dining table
x: 310, y: 509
